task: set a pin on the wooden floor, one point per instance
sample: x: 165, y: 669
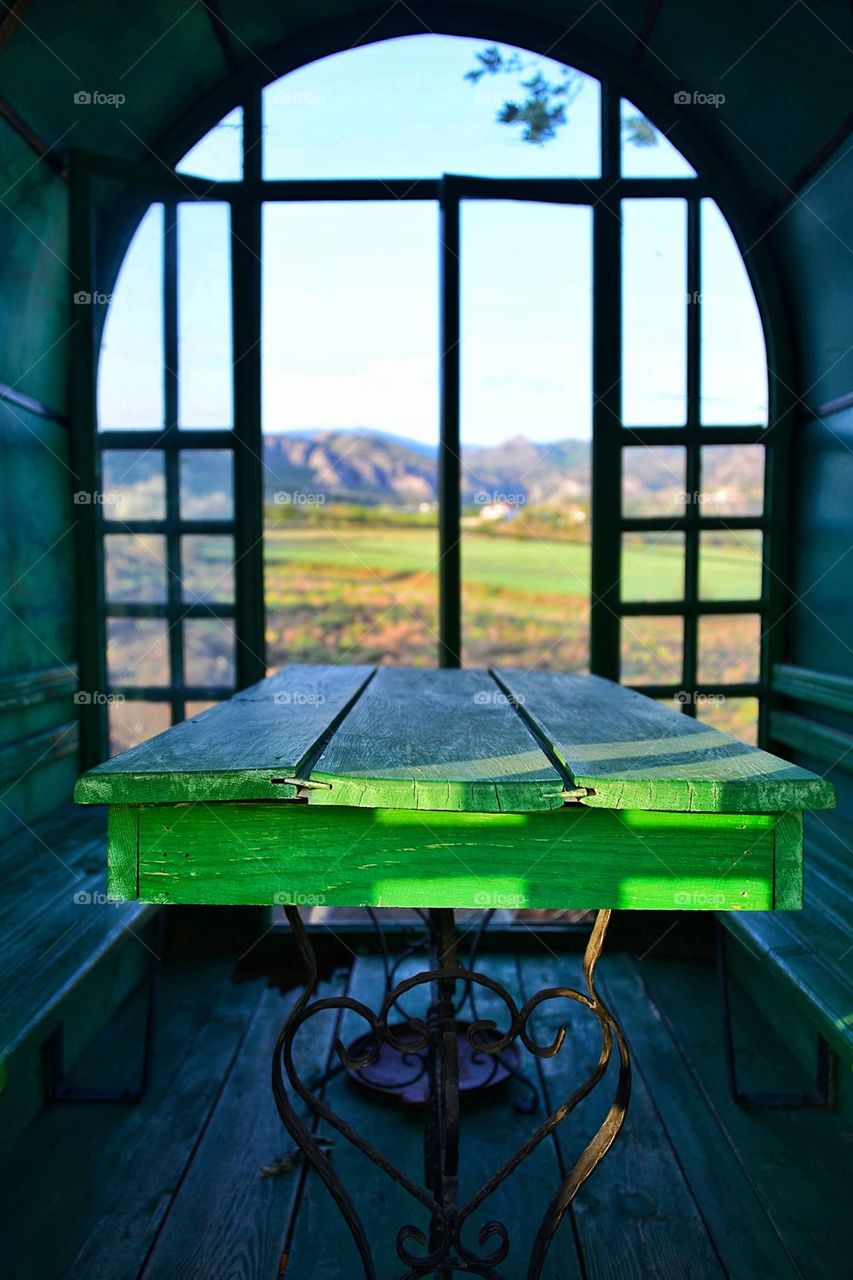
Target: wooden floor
x: 171, y: 1189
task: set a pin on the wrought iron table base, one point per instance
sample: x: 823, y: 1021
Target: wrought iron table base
x: 441, y: 1251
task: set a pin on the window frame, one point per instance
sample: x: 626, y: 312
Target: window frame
x: 246, y: 199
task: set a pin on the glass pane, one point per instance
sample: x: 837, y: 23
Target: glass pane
x: 737, y: 716
x: 135, y: 722
x: 654, y: 323
x: 730, y: 565
x: 652, y: 650
x: 207, y: 484
x: 646, y: 152
x: 733, y: 356
x: 732, y: 480
x: 525, y: 600
x: 204, y: 315
x: 653, y: 566
x: 654, y: 479
x: 207, y: 569
x: 729, y: 648
x: 209, y: 645
x: 526, y: 430
x: 350, y: 314
x: 137, y: 651
x: 351, y: 428
x: 363, y: 583
x: 135, y: 566
x: 134, y: 484
x: 219, y: 154
x: 411, y: 110
x: 527, y: 328
x: 130, y: 371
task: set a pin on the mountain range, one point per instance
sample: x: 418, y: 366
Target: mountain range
x: 375, y: 468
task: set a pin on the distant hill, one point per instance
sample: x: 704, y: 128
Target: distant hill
x: 374, y: 468
x: 367, y: 467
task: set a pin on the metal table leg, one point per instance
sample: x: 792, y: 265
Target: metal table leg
x: 442, y: 1251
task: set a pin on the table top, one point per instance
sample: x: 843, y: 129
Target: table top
x: 410, y: 787
x: 470, y: 740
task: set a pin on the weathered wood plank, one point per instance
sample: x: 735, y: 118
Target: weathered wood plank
x: 89, y: 1186
x: 48, y: 974
x: 575, y: 857
x: 743, y: 1233
x: 228, y: 1222
x: 82, y: 1010
x: 823, y: 688
x: 636, y: 1215
x: 789, y: 862
x: 237, y: 749
x: 45, y: 863
x: 810, y: 1211
x: 632, y: 753
x: 63, y: 946
x: 832, y: 747
x: 123, y: 839
x: 822, y: 990
x: 807, y: 952
x: 435, y: 739
x: 829, y: 843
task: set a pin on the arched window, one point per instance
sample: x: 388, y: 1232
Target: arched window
x: 480, y: 343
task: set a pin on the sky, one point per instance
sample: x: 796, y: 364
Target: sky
x: 350, y: 291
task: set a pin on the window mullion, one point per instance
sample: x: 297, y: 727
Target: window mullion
x: 449, y: 465
x: 86, y: 464
x: 250, y: 655
x: 607, y: 404
x: 693, y: 313
x: 174, y: 593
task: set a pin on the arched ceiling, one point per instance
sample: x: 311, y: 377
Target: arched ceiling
x: 785, y: 72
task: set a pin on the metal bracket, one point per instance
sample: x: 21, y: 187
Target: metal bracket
x: 821, y: 1097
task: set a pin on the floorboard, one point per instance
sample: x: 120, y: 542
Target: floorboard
x: 636, y: 1216
x: 797, y: 1160
x: 91, y: 1182
x: 171, y: 1189
x: 736, y: 1217
x: 227, y: 1222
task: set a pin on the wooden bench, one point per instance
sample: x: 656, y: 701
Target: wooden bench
x: 808, y: 953
x: 68, y: 957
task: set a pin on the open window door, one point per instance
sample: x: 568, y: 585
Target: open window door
x: 166, y: 446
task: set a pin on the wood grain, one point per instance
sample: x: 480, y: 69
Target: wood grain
x: 633, y: 753
x: 640, y: 1186
x: 228, y: 1222
x: 815, y: 1225
x: 237, y: 749
x: 427, y: 739
x: 122, y: 860
x: 789, y: 862
x: 744, y: 1233
x: 91, y: 1185
x: 581, y: 858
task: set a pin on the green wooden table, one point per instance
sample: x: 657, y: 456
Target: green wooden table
x: 444, y: 789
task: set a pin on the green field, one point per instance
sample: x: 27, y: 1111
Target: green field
x: 371, y: 593
x: 368, y: 592
x: 652, y: 569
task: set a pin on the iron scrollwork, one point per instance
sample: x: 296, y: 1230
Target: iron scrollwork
x: 441, y: 1251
